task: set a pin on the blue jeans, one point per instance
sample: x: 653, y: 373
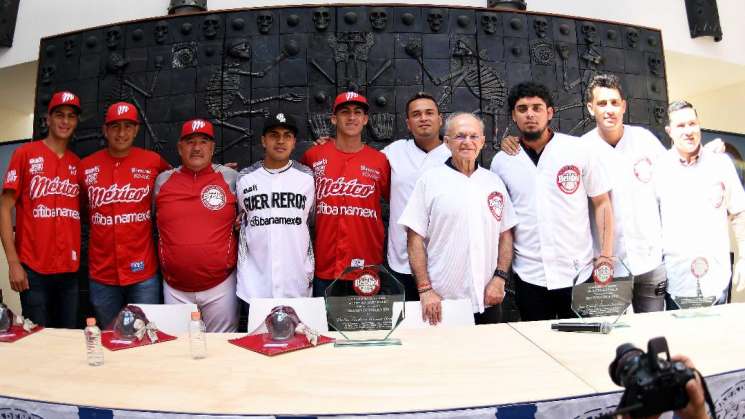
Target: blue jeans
x: 51, y: 300
x: 108, y: 300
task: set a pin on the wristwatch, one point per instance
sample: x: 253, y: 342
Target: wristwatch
x: 502, y: 274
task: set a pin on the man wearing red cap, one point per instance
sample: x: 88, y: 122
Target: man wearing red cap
x: 351, y: 178
x: 118, y: 183
x: 195, y: 208
x: 41, y: 182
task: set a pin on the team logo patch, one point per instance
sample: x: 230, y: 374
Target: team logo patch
x: 138, y: 266
x: 496, y: 204
x: 197, y: 124
x: 568, y: 179
x: 716, y: 196
x: 36, y: 165
x: 213, y: 197
x: 11, y: 176
x: 122, y: 109
x: 699, y: 267
x: 67, y: 97
x: 603, y: 273
x: 643, y: 169
x: 319, y: 167
x: 366, y: 285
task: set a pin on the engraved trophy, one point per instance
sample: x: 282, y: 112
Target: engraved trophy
x: 366, y: 298
x: 699, y: 269
x: 604, y: 294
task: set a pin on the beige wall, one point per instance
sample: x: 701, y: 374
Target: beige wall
x: 720, y: 109
x: 15, y: 125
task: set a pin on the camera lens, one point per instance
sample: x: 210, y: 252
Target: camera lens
x: 626, y: 357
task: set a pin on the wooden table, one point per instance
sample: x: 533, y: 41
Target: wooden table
x: 715, y: 341
x: 433, y: 369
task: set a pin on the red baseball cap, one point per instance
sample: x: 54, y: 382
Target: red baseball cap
x: 197, y: 126
x: 122, y: 111
x: 64, y: 98
x: 350, y: 97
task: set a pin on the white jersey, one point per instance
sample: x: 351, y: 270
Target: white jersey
x: 637, y: 232
x: 460, y: 218
x: 695, y: 201
x: 408, y: 162
x: 275, y: 255
x: 553, y: 242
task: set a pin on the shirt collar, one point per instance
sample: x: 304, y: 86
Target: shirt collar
x: 693, y: 161
x: 449, y: 163
x: 206, y: 170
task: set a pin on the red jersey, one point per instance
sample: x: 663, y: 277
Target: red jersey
x: 47, y: 207
x: 119, y: 194
x: 195, y: 216
x: 349, y: 223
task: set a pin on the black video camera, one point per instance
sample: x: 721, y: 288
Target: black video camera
x: 653, y: 384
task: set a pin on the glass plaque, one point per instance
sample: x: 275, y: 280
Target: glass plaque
x: 603, y: 294
x: 367, y: 298
x: 699, y: 269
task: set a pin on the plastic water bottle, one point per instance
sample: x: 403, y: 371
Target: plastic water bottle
x: 197, y: 338
x: 93, y: 342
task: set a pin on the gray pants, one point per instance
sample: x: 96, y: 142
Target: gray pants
x: 649, y: 290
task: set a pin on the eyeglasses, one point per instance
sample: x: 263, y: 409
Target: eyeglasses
x: 463, y: 137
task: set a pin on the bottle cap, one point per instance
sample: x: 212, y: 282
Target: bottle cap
x: 195, y: 315
x: 90, y: 321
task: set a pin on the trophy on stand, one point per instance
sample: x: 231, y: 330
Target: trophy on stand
x: 699, y: 269
x: 603, y: 295
x: 366, y: 298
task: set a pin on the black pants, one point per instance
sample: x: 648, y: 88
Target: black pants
x: 490, y: 315
x: 540, y: 303
x: 409, y: 283
x: 51, y: 300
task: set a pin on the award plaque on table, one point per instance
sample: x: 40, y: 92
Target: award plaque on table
x: 699, y: 269
x: 603, y: 294
x: 366, y: 298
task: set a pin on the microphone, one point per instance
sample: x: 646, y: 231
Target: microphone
x: 599, y: 327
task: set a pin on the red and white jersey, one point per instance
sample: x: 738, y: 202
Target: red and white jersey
x: 47, y: 207
x: 695, y: 204
x: 195, y: 216
x: 349, y: 223
x: 275, y: 254
x: 119, y: 195
x: 460, y: 218
x: 553, y: 242
x: 637, y: 234
x: 408, y: 162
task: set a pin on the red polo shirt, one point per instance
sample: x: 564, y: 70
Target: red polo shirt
x: 47, y: 207
x: 119, y: 196
x: 195, y: 215
x: 349, y: 220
